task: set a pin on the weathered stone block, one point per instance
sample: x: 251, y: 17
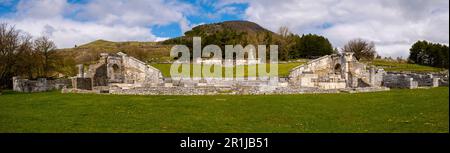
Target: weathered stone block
x: 82, y: 83
x: 435, y: 82
x: 168, y: 85
x: 39, y: 85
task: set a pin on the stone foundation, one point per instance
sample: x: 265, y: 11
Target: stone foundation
x: 209, y: 90
x: 39, y: 85
x: 399, y: 81
x: 414, y: 80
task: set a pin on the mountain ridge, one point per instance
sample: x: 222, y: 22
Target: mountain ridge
x: 232, y: 32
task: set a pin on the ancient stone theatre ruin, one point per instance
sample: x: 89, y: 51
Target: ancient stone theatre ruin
x: 336, y: 72
x: 116, y: 70
x: 122, y: 74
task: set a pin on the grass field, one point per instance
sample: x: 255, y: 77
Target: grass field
x: 419, y: 110
x: 283, y: 69
x: 396, y: 66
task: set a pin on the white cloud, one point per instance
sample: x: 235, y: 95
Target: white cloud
x: 135, y: 12
x: 394, y: 25
x: 74, y: 24
x: 67, y: 33
x: 41, y: 9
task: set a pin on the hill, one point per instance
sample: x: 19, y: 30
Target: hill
x: 229, y: 32
x: 238, y: 26
x: 290, y: 46
x: 226, y: 33
x: 146, y: 51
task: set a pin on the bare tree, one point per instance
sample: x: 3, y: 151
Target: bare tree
x: 284, y: 31
x: 27, y: 58
x: 21, y: 56
x: 9, y: 42
x: 362, y: 49
x: 47, y: 48
x: 284, y: 43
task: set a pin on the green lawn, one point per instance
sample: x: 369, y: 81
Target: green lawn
x: 396, y: 66
x: 419, y: 110
x: 283, y: 69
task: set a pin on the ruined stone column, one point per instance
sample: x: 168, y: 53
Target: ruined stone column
x: 80, y: 70
x: 435, y: 82
x: 372, y: 76
x: 16, y: 86
x: 346, y: 58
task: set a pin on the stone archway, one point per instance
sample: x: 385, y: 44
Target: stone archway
x: 100, y: 76
x: 115, y: 73
x: 337, y: 69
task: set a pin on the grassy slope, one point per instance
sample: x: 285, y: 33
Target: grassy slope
x: 283, y: 69
x: 147, y: 51
x: 396, y: 66
x: 420, y: 110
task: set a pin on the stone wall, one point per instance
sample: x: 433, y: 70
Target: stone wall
x: 443, y: 77
x: 321, y: 72
x: 335, y: 72
x: 235, y: 90
x: 121, y: 68
x: 414, y: 80
x: 399, y: 81
x: 313, y: 66
x: 425, y: 80
x: 225, y: 82
x: 39, y: 85
x: 138, y: 72
x: 82, y: 83
x: 98, y: 73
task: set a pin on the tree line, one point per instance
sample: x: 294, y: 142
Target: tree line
x: 23, y: 55
x: 430, y: 54
x: 290, y: 46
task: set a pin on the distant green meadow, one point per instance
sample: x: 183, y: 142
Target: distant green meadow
x: 283, y: 70
x: 396, y: 66
x: 396, y: 111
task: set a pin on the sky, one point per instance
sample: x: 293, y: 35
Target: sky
x: 393, y: 25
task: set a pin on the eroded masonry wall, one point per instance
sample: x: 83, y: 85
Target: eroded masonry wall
x: 335, y: 72
x: 138, y: 72
x: 39, y: 85
x: 414, y: 80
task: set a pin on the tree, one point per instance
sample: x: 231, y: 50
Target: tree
x: 283, y: 31
x: 430, y: 54
x: 311, y: 46
x: 21, y: 56
x: 27, y: 58
x: 362, y: 49
x: 47, y: 49
x: 335, y: 51
x: 9, y: 42
x: 378, y: 57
